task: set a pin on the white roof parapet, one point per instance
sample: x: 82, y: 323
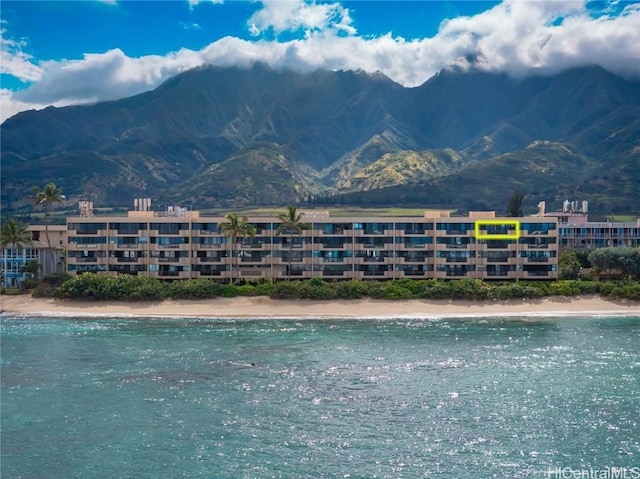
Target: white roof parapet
x: 313, y: 214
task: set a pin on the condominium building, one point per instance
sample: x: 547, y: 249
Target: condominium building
x: 178, y: 243
x: 13, y: 259
x: 577, y: 232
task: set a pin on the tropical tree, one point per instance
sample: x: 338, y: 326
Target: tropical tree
x: 32, y: 268
x: 568, y: 265
x: 47, y: 197
x: 235, y: 228
x: 15, y: 233
x: 514, y: 208
x: 624, y: 260
x: 291, y: 223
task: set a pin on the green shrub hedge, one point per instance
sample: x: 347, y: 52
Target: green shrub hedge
x: 125, y: 287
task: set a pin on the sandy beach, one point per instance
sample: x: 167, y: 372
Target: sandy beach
x: 262, y: 307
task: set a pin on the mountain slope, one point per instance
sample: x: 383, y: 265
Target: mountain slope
x: 227, y: 137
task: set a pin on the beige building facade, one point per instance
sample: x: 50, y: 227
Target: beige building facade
x: 180, y: 244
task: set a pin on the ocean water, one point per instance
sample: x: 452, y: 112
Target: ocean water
x: 377, y: 398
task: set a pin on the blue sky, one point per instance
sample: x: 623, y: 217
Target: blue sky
x: 71, y: 52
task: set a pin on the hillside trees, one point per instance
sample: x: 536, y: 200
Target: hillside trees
x: 514, y: 207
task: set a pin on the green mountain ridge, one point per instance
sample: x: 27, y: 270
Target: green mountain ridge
x: 218, y: 137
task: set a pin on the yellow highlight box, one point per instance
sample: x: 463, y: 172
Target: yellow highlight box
x: 488, y: 236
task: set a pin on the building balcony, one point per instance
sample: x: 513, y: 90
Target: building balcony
x: 368, y: 274
x: 377, y: 246
x: 83, y: 260
x: 457, y: 260
x: 252, y: 273
x: 124, y: 246
x: 456, y: 232
x: 173, y: 274
x: 335, y: 274
x: 128, y: 260
x: 413, y: 259
x: 333, y: 260
x: 257, y: 260
x: 457, y: 274
x: 498, y: 274
x: 498, y: 259
x: 171, y: 259
x: 374, y: 259
x: 534, y: 259
x: 198, y: 246
x: 172, y: 247
x: 266, y: 246
x: 538, y: 274
x: 207, y: 260
x: 332, y: 246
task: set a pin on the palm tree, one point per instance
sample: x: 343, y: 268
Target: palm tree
x: 290, y: 223
x: 32, y: 268
x: 45, y: 198
x: 15, y: 233
x: 236, y: 228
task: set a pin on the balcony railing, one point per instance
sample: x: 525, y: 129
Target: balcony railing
x: 456, y: 260
x: 414, y: 259
x: 498, y: 273
x: 538, y: 273
x: 83, y: 259
x: 209, y: 259
x: 497, y: 259
x: 373, y: 259
x: 127, y: 260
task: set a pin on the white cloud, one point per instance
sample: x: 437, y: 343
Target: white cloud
x: 190, y: 26
x: 15, y: 62
x: 193, y: 3
x: 105, y: 76
x: 298, y: 15
x: 517, y: 37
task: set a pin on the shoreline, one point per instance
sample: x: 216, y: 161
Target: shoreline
x: 261, y: 307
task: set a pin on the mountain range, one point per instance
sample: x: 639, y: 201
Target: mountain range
x: 235, y: 138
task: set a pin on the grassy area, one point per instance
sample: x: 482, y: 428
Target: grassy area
x: 623, y: 218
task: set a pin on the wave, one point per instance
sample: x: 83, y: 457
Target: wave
x: 333, y: 317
